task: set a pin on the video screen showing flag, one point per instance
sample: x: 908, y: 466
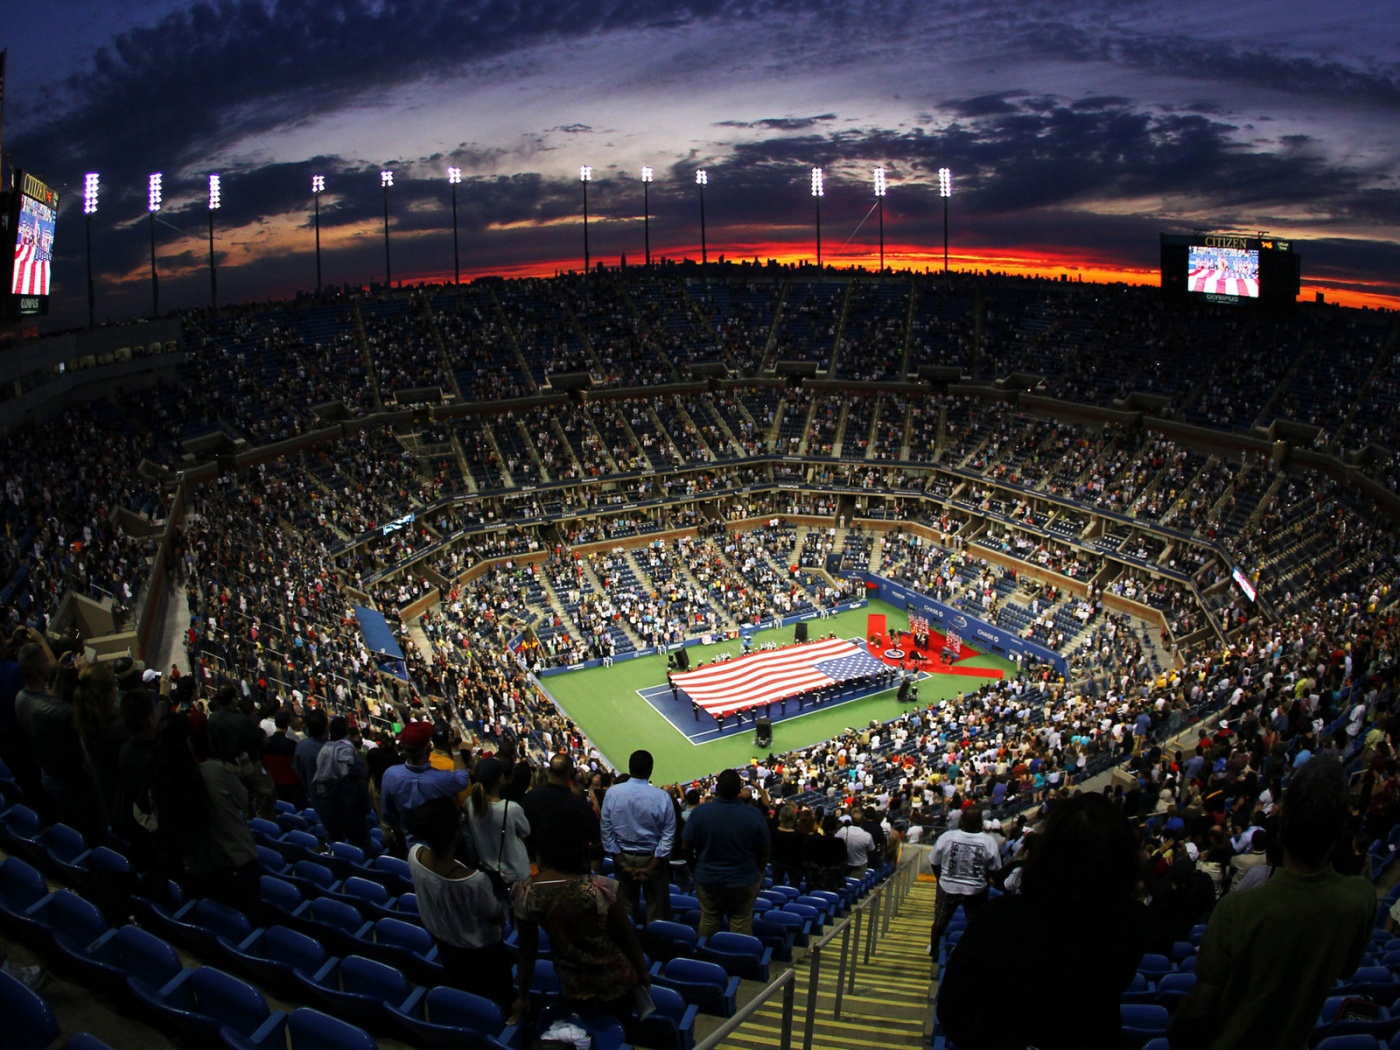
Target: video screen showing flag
x: 35, y: 218
x: 1229, y: 272
x: 769, y: 676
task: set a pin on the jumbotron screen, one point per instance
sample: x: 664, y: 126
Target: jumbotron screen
x: 35, y: 215
x: 1223, y: 271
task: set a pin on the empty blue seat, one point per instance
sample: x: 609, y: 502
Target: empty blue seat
x: 270, y: 955
x: 21, y: 887
x: 666, y: 940
x: 776, y: 936
x: 1153, y: 965
x: 280, y: 896
x: 64, y: 852
x: 338, y: 924
x: 1141, y: 1022
x: 21, y: 827
x: 313, y: 878
x: 705, y: 984
x: 272, y: 862
x: 303, y: 1029
x: 29, y: 1023
x: 406, y: 946
x: 740, y: 954
x: 438, y: 1017
x: 128, y: 951
x: 69, y: 919
x: 197, y: 1003
x: 370, y: 897
x: 800, y: 927
x: 1172, y: 988
x: 357, y: 989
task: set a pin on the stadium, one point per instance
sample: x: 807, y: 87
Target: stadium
x: 545, y: 488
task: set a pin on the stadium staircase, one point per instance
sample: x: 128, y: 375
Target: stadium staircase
x: 885, y: 1003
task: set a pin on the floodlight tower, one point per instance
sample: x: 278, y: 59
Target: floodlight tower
x: 702, y: 179
x: 215, y: 202
x: 152, y: 206
x: 454, y: 178
x: 318, y: 186
x: 646, y: 209
x: 585, y: 176
x: 818, y: 191
x: 90, y: 181
x: 386, y: 180
x: 945, y: 190
x: 880, y: 203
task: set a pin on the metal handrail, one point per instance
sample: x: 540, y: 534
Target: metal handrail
x: 787, y: 981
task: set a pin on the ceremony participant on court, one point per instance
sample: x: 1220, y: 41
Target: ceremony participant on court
x: 639, y: 832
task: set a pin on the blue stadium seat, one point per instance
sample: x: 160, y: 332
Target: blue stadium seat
x: 666, y: 940
x: 358, y: 989
x: 128, y: 951
x: 69, y: 919
x: 29, y: 1023
x: 21, y: 888
x: 302, y: 1029
x: 270, y: 955
x: 280, y: 896
x: 671, y: 1027
x: 741, y: 955
x: 197, y: 1003
x: 436, y: 1018
x: 340, y: 926
x: 1172, y: 988
x: 1141, y: 1022
x: 405, y: 946
x: 703, y: 983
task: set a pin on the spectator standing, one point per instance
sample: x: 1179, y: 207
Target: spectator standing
x: 458, y: 906
x: 278, y: 753
x: 317, y: 725
x: 236, y: 739
x: 728, y: 843
x: 498, y: 826
x: 639, y: 833
x: 408, y: 785
x: 544, y: 805
x: 48, y: 725
x: 342, y: 787
x: 859, y: 843
x: 963, y: 861
x: 787, y: 848
x: 1077, y: 906
x: 1270, y: 956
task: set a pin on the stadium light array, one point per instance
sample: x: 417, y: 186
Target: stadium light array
x: 90, y: 181
x: 818, y: 191
x: 702, y: 179
x: 646, y: 209
x: 214, y: 202
x: 945, y: 190
x: 153, y: 192
x: 585, y: 176
x: 386, y: 179
x: 454, y: 178
x: 880, y: 202
x: 318, y: 186
x: 152, y: 206
x: 215, y: 197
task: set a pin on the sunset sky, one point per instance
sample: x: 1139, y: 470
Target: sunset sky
x: 1076, y: 131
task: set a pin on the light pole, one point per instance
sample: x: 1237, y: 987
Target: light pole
x: 214, y: 204
x: 90, y: 181
x: 318, y: 186
x: 880, y: 205
x: 702, y: 179
x: 386, y: 179
x: 945, y: 190
x: 646, y: 209
x: 153, y: 206
x: 818, y: 191
x: 454, y: 176
x: 585, y: 176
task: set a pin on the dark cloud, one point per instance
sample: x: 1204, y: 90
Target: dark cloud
x: 981, y: 106
x: 779, y: 123
x: 572, y: 129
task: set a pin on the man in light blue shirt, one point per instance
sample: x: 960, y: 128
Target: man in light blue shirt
x: 639, y: 830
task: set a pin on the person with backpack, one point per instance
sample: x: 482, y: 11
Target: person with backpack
x: 340, y: 787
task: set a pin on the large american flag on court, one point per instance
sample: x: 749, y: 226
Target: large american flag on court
x: 766, y: 677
